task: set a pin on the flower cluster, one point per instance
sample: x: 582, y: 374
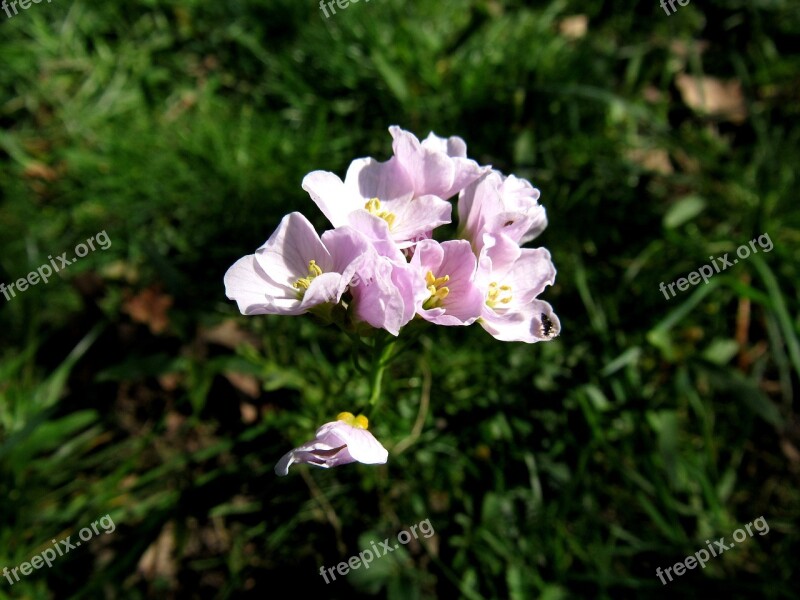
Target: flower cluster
x: 380, y: 265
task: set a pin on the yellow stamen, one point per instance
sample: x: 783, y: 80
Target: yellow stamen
x: 373, y: 207
x: 493, y: 295
x: 438, y: 290
x: 302, y: 284
x: 360, y: 422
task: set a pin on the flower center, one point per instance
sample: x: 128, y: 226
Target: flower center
x: 437, y: 289
x: 498, y: 294
x: 302, y: 284
x: 360, y: 422
x: 373, y: 207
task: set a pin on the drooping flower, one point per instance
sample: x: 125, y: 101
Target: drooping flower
x: 449, y: 272
x: 511, y: 279
x: 339, y: 442
x: 436, y: 166
x: 498, y: 205
x: 295, y: 271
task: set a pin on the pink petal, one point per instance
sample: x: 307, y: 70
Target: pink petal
x: 285, y: 256
x: 415, y: 218
x: 316, y: 453
x: 367, y: 178
x: 531, y: 273
x: 464, y: 303
x: 254, y: 293
x: 453, y: 146
x: 324, y: 288
x: 376, y: 299
x: 331, y: 196
x: 376, y: 230
x: 432, y: 172
x: 361, y: 444
x: 535, y: 322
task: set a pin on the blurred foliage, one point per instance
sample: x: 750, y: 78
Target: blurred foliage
x: 130, y: 386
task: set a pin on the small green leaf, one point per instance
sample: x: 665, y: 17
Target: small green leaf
x: 683, y: 210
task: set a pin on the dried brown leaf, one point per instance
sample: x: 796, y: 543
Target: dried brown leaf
x: 712, y: 96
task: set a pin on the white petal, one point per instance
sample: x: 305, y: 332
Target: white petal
x: 254, y: 293
x: 331, y: 196
x: 361, y: 444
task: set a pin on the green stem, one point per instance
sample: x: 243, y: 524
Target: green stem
x: 383, y: 354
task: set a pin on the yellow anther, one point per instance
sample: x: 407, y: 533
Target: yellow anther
x: 493, y: 295
x: 360, y: 422
x: 438, y: 291
x: 302, y: 284
x: 373, y: 207
x: 434, y: 281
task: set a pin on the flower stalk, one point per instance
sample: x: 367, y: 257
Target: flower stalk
x: 384, y: 349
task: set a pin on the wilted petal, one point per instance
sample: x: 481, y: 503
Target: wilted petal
x: 314, y: 453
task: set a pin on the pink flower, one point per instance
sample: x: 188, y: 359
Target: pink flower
x: 339, y: 442
x: 408, y: 191
x: 436, y: 166
x: 449, y: 272
x: 387, y: 294
x: 295, y: 271
x: 500, y: 205
x: 511, y: 279
x: 375, y: 191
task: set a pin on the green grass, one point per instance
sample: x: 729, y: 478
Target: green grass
x: 572, y: 468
